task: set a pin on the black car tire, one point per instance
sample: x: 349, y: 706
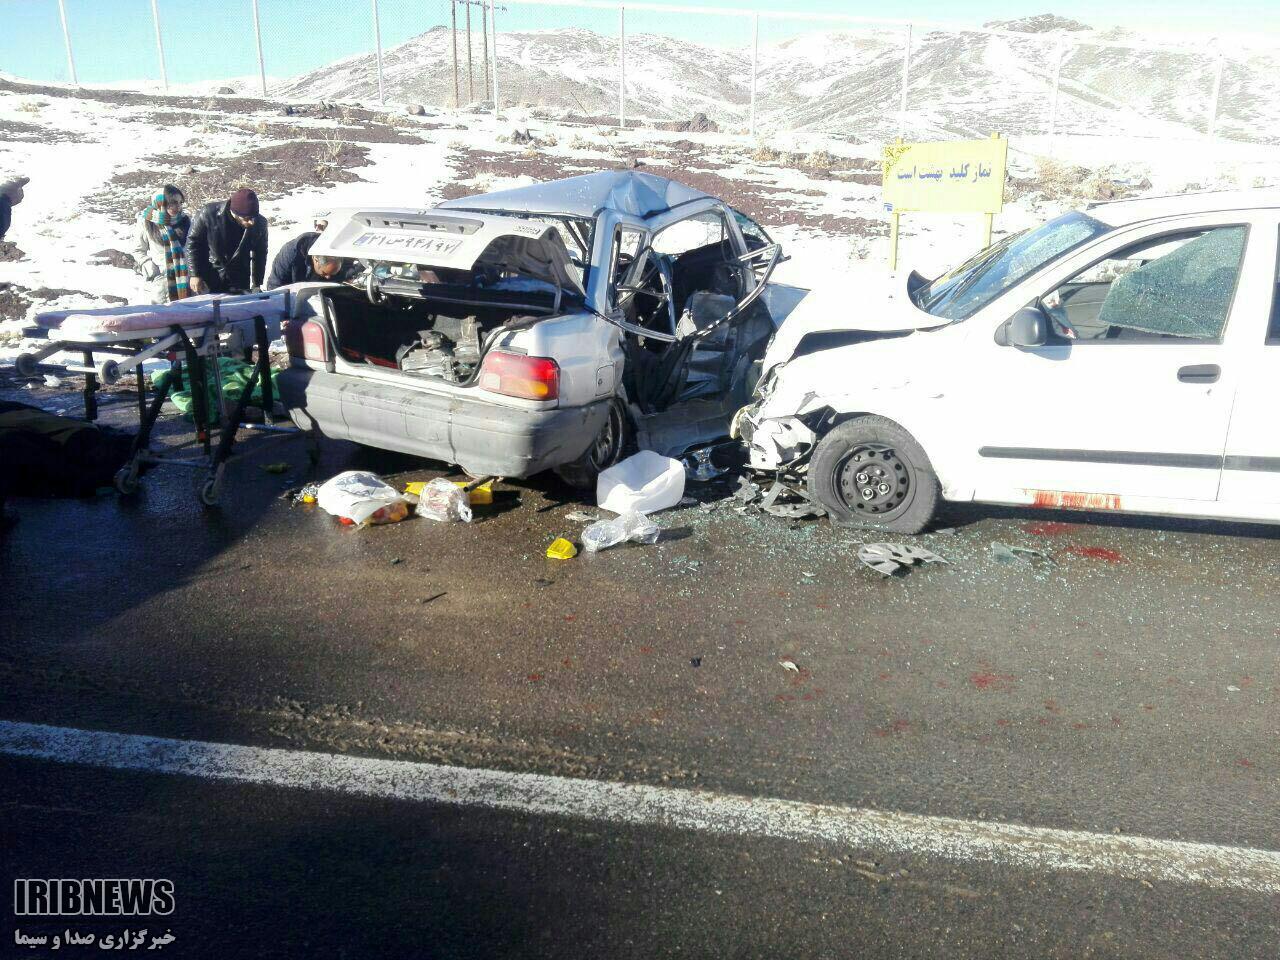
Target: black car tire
x: 871, y: 472
x: 606, y: 450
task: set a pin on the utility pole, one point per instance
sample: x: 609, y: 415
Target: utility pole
x: 257, y: 39
x: 164, y: 70
x: 471, y: 80
x: 484, y: 40
x: 453, y: 14
x: 755, y: 56
x: 66, y: 39
x: 377, y: 44
x: 622, y: 67
x: 493, y: 26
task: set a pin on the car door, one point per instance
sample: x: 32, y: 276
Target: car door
x: 1131, y: 394
x: 780, y: 298
x: 1251, y: 463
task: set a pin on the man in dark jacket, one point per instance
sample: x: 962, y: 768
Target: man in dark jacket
x: 227, y: 246
x: 10, y: 197
x: 294, y: 262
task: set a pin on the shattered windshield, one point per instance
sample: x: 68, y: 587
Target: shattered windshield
x: 963, y: 291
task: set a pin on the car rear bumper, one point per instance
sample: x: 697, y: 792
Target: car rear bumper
x: 483, y: 438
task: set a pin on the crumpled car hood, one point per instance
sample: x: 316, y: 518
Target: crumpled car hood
x: 879, y: 305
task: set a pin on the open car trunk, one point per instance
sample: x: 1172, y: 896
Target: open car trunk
x: 442, y: 288
x: 420, y: 336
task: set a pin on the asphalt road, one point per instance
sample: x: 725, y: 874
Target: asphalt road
x: 1126, y: 688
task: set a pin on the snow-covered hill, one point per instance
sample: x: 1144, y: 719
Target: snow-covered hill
x: 846, y: 83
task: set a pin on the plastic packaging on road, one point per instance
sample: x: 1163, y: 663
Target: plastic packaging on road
x: 604, y: 534
x: 443, y: 500
x: 644, y: 483
x: 361, y: 498
x: 476, y: 496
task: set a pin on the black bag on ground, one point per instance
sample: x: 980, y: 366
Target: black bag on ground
x: 45, y: 455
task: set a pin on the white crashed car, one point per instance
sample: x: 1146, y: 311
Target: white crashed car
x: 539, y: 328
x: 1123, y: 357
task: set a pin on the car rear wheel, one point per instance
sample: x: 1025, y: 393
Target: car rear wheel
x: 604, y: 452
x: 871, y: 472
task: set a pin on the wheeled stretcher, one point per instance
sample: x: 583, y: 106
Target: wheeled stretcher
x: 192, y: 335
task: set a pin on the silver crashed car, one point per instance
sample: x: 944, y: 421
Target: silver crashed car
x: 545, y: 327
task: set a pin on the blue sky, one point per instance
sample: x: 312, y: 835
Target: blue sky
x: 114, y: 40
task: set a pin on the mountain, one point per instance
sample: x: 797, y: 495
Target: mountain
x: 574, y: 70
x: 843, y: 83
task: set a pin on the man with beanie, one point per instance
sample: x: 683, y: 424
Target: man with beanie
x: 10, y: 196
x: 227, y: 246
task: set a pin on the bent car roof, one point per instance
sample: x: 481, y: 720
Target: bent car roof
x: 623, y: 191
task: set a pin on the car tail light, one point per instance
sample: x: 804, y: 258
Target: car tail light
x: 315, y: 345
x: 514, y: 375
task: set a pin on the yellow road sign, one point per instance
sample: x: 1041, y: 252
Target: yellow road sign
x: 963, y: 176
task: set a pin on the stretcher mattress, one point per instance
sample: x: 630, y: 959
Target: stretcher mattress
x: 135, y: 322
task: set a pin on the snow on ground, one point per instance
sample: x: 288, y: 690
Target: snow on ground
x: 81, y: 152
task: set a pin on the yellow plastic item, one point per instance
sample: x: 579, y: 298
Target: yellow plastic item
x: 561, y: 549
x: 481, y: 496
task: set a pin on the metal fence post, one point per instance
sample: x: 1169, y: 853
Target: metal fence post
x: 622, y: 67
x: 1217, y: 94
x: 755, y: 57
x: 377, y: 46
x: 257, y: 38
x: 66, y: 38
x: 906, y: 77
x: 155, y: 18
x: 1060, y: 53
x: 493, y: 31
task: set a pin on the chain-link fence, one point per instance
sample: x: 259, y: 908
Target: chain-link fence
x: 761, y: 73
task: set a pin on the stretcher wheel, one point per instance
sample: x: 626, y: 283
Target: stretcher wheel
x: 211, y: 489
x: 126, y: 479
x: 25, y: 365
x: 109, y: 372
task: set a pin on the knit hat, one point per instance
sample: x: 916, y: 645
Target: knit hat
x: 11, y: 187
x: 244, y: 203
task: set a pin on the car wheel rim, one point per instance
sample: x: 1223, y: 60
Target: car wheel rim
x: 605, y: 449
x: 873, y: 481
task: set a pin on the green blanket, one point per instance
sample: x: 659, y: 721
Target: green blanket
x: 235, y: 378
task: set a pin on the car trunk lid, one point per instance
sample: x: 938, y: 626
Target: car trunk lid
x: 509, y: 247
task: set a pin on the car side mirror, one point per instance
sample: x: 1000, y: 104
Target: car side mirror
x: 1029, y: 327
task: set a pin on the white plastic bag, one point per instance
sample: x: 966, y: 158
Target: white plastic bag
x: 644, y: 483
x: 357, y: 496
x: 604, y: 534
x: 444, y: 500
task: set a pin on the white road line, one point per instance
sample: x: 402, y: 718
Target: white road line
x: 1034, y: 848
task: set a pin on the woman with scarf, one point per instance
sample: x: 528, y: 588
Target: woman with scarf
x: 160, y: 248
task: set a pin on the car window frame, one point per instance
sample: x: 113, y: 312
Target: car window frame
x: 611, y: 292
x: 1172, y: 231
x: 726, y: 230
x: 1271, y: 337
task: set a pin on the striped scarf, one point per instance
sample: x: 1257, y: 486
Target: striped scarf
x: 175, y: 257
